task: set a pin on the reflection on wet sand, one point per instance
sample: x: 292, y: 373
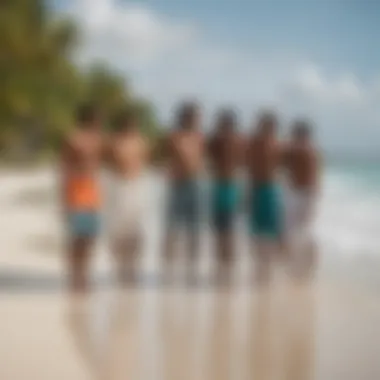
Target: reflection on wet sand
x: 107, y: 339
x: 299, y: 335
x: 184, y: 334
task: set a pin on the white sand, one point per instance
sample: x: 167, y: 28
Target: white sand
x: 151, y: 333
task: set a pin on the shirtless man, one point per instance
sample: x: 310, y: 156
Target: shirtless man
x: 226, y: 152
x: 264, y: 160
x: 80, y: 162
x: 127, y: 195
x: 185, y: 148
x: 302, y: 163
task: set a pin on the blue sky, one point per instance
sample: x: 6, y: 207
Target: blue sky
x: 314, y: 58
x: 338, y: 33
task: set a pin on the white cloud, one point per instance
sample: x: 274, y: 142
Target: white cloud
x: 310, y: 82
x: 121, y: 31
x: 167, y: 59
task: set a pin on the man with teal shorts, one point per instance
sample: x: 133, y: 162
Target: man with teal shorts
x: 225, y: 153
x: 265, y: 210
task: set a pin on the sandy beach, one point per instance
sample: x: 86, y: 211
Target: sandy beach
x: 324, y: 331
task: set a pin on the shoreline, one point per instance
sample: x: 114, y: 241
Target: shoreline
x: 32, y: 233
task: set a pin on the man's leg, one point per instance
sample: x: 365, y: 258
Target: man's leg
x: 84, y: 227
x: 309, y: 251
x: 169, y: 253
x: 224, y: 242
x: 192, y: 246
x: 263, y: 249
x: 306, y: 247
x: 172, y: 220
x: 134, y: 248
x: 192, y: 217
x: 79, y: 255
x: 224, y: 254
x: 126, y: 251
x: 225, y: 249
x: 170, y: 245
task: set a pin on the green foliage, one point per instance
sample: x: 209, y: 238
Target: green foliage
x: 40, y: 85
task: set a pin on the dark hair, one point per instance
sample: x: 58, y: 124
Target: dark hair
x: 301, y: 129
x: 125, y: 120
x: 186, y: 113
x: 267, y: 122
x: 226, y: 119
x: 86, y: 114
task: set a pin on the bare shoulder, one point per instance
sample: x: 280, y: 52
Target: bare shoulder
x: 171, y: 137
x: 144, y: 142
x: 108, y: 142
x: 70, y: 141
x: 199, y: 137
x: 106, y: 139
x: 316, y: 155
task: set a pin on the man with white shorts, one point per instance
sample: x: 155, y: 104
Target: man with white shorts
x: 127, y: 193
x: 302, y: 163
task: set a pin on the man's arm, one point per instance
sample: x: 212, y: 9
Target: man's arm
x: 162, y: 151
x: 107, y: 151
x: 284, y: 155
x: 64, y: 167
x: 242, y: 151
x: 210, y: 150
x: 249, y: 153
x: 317, y: 171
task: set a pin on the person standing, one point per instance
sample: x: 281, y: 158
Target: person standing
x: 302, y: 161
x: 226, y: 152
x: 127, y: 157
x: 266, y: 207
x: 185, y: 151
x: 81, y: 156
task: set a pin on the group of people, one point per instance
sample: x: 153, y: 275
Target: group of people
x: 282, y: 183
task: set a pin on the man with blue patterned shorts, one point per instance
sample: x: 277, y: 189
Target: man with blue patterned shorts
x: 185, y: 150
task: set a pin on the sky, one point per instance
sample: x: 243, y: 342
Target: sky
x: 303, y: 58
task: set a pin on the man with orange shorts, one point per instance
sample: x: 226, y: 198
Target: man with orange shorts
x: 80, y: 158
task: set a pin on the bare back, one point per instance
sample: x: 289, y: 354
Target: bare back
x: 128, y: 154
x: 264, y: 158
x: 186, y: 149
x: 302, y: 164
x: 226, y: 152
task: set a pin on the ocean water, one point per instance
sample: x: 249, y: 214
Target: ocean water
x: 347, y: 224
x: 348, y: 219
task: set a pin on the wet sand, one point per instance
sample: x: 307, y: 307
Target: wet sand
x: 291, y: 332
x: 327, y: 331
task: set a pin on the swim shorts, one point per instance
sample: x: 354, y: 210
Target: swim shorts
x: 184, y: 204
x: 83, y: 223
x: 299, y: 213
x: 83, y: 200
x: 266, y: 212
x: 127, y: 207
x: 225, y: 198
